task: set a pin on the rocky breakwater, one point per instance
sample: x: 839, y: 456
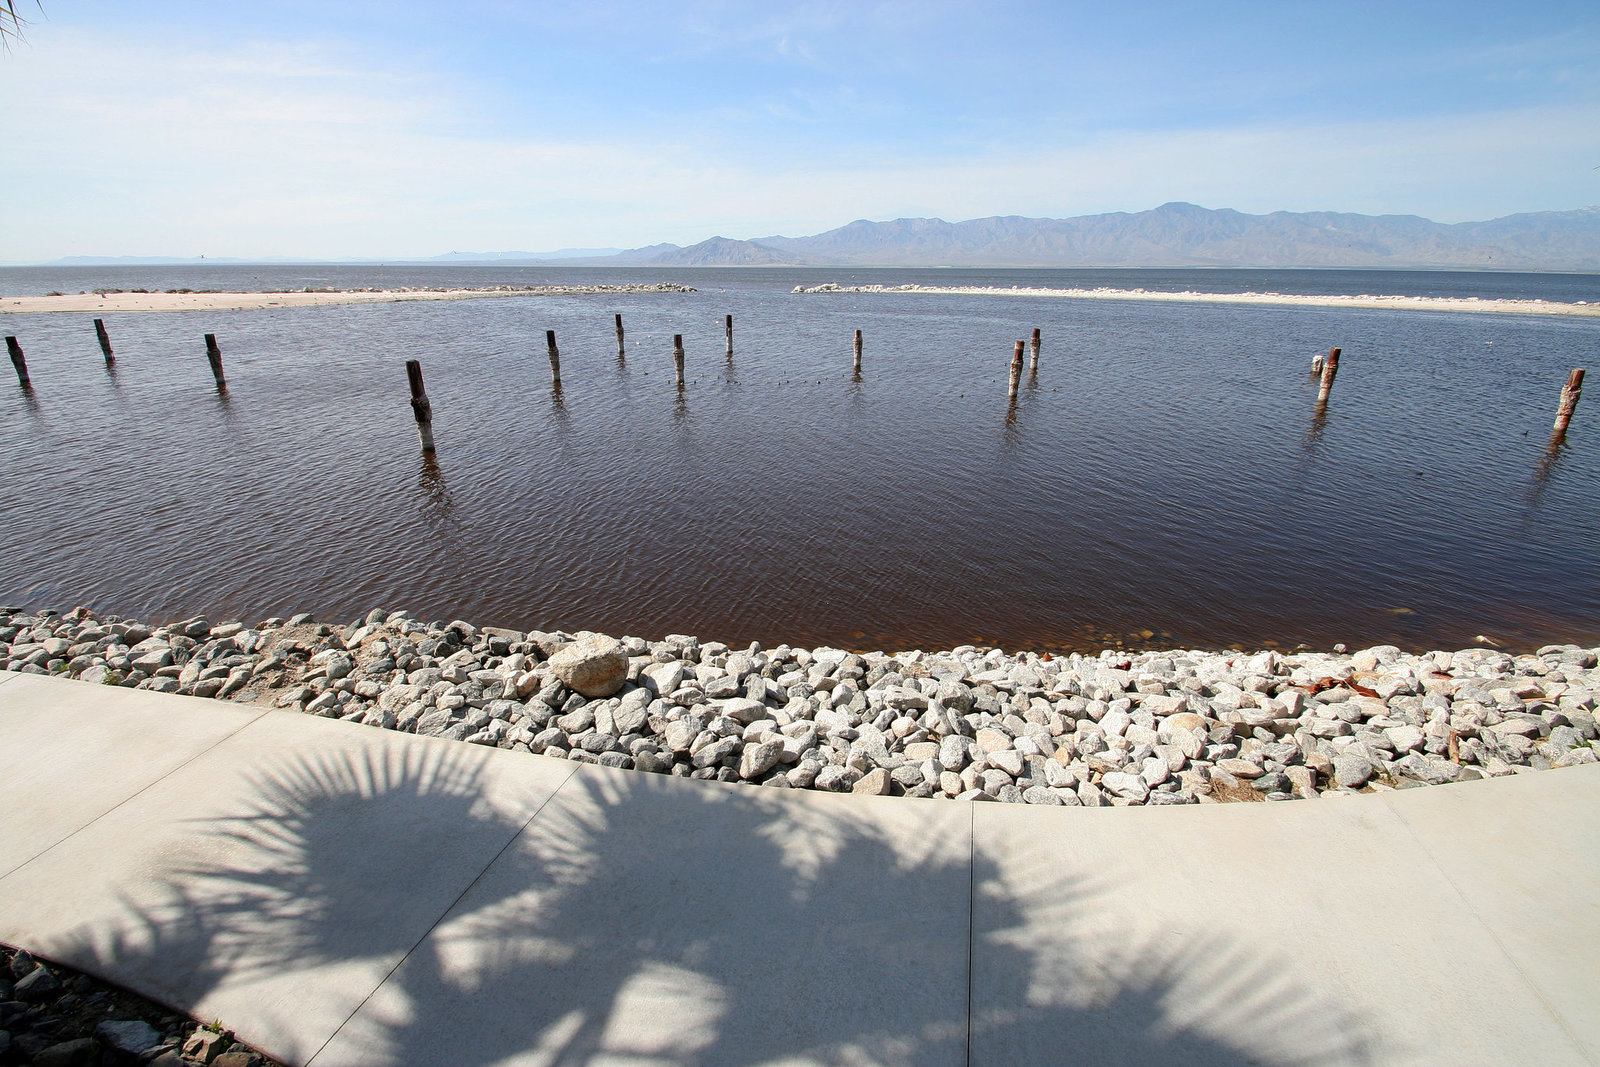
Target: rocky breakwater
x: 1166, y: 727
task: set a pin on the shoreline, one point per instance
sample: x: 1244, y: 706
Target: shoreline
x: 1114, y: 729
x: 1409, y: 303
x: 123, y: 301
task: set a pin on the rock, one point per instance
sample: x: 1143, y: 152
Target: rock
x: 82, y: 1052
x: 756, y: 760
x: 716, y: 752
x: 1126, y: 785
x: 835, y: 779
x: 1008, y: 761
x: 1038, y: 794
x: 38, y: 985
x: 874, y: 783
x: 1154, y: 771
x: 237, y: 1058
x: 1272, y: 782
x: 1352, y: 772
x: 953, y: 752
x: 1404, y: 738
x: 742, y: 710
x: 130, y: 1036
x: 992, y: 740
x: 595, y: 666
x: 1302, y: 780
x: 1240, y: 768
x: 205, y: 1045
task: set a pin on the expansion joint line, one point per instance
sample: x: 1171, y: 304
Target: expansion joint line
x: 972, y: 904
x: 444, y: 914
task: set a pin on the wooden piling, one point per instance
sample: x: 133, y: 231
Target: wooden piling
x: 1316, y: 365
x: 620, y: 352
x: 677, y: 356
x: 1569, y: 400
x: 18, y: 362
x: 555, y: 358
x: 420, y: 406
x: 214, y: 357
x: 729, y: 326
x: 105, y: 340
x: 1016, y: 370
x: 858, y: 352
x: 1034, y: 352
x: 1330, y: 367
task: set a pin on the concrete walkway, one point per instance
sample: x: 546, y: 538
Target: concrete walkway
x: 343, y: 895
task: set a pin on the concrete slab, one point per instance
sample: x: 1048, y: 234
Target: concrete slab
x: 1308, y: 933
x: 276, y: 879
x: 1524, y: 854
x: 74, y: 751
x: 646, y: 919
x: 345, y: 895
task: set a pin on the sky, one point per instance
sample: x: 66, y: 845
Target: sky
x: 390, y: 129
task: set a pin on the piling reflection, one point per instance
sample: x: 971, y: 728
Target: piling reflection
x: 1319, y: 422
x: 437, y: 506
x: 558, y: 412
x: 1544, y: 470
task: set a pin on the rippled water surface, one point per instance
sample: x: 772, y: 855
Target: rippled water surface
x: 1162, y: 475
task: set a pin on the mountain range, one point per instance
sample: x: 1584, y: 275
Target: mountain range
x: 1172, y: 235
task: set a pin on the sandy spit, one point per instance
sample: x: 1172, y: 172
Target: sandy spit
x: 1417, y: 303
x: 112, y: 302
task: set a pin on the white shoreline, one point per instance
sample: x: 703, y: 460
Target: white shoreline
x: 1410, y: 303
x: 115, y: 303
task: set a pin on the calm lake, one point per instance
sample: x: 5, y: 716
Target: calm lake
x: 1161, y: 481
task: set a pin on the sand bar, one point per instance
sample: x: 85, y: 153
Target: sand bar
x: 111, y: 302
x: 1410, y: 303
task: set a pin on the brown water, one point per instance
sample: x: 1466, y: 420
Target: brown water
x: 1161, y: 481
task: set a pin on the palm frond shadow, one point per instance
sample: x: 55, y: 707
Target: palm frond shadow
x: 638, y: 915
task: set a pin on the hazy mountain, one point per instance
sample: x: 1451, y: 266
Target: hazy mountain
x: 723, y: 252
x: 1173, y: 235
x: 1184, y: 235
x: 503, y: 257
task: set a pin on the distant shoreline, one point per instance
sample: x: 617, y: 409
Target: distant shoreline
x: 112, y: 302
x: 1419, y: 303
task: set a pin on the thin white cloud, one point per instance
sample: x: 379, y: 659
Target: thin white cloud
x: 308, y: 151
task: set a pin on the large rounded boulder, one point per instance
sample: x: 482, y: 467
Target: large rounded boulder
x: 595, y: 666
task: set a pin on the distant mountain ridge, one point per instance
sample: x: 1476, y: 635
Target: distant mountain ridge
x: 1172, y: 235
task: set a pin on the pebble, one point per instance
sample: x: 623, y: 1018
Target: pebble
x: 1160, y: 727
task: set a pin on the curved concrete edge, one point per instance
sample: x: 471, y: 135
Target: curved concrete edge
x: 339, y: 894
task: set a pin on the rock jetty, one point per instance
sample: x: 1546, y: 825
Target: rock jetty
x: 1118, y: 728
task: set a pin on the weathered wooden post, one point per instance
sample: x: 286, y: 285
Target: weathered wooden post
x: 1034, y: 353
x: 105, y: 340
x: 555, y: 358
x: 620, y: 354
x: 730, y: 336
x: 420, y: 406
x: 18, y: 362
x: 1330, y: 367
x: 677, y: 356
x: 1316, y: 365
x: 858, y: 353
x: 214, y: 356
x: 1016, y: 370
x: 1569, y: 400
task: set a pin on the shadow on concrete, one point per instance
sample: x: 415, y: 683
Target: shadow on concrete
x: 649, y: 919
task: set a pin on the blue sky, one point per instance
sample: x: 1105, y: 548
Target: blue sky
x: 396, y: 129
